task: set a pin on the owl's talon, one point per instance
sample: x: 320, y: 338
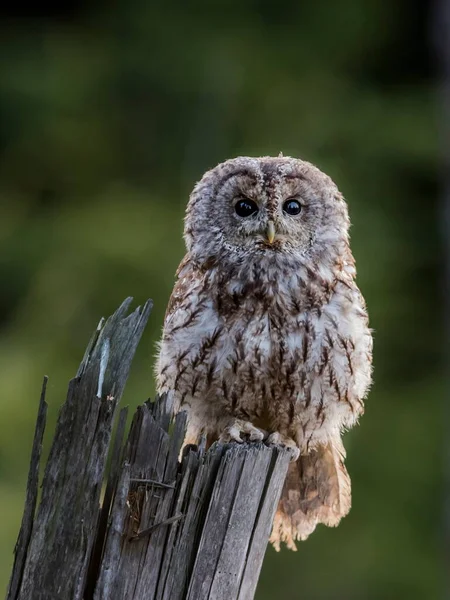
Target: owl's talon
x: 256, y: 436
x: 233, y: 432
x: 254, y: 433
x: 278, y: 439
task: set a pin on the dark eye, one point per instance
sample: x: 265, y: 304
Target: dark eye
x: 292, y: 207
x: 245, y: 207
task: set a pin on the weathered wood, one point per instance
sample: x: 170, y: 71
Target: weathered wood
x: 168, y: 529
x: 269, y: 502
x: 64, y: 528
x: 151, y: 454
x: 234, y: 516
x: 106, y: 505
x: 30, y: 501
x: 203, y: 538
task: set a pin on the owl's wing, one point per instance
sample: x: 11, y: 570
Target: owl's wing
x: 186, y: 279
x: 190, y: 324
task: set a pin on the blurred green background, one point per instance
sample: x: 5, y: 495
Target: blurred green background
x: 111, y: 113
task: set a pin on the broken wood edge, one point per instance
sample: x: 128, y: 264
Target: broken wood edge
x: 190, y: 508
x: 236, y: 527
x: 112, y: 478
x: 23, y: 539
x: 109, y: 366
x: 270, y: 498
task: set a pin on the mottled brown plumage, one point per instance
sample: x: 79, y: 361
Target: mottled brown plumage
x: 266, y: 333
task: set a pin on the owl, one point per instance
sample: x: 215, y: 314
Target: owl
x: 266, y: 333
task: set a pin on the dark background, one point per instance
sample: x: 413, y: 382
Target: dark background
x: 112, y: 111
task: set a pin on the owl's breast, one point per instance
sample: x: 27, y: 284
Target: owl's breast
x: 263, y: 350
x: 250, y: 352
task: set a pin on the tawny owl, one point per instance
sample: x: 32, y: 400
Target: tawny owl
x: 266, y: 333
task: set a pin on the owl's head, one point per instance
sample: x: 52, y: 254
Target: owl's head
x: 250, y: 207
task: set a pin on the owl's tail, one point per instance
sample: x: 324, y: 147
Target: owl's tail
x: 316, y: 490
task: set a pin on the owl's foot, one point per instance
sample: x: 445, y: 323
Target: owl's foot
x: 278, y: 439
x: 236, y: 428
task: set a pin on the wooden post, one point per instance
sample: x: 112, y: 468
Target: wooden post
x: 165, y: 530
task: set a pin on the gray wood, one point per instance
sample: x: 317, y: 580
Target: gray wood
x: 106, y: 505
x: 238, y: 522
x: 204, y: 532
x: 23, y: 540
x: 269, y: 501
x: 65, y: 524
x: 194, y: 528
x: 152, y: 455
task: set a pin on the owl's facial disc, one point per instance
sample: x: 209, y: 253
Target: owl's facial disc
x: 265, y: 207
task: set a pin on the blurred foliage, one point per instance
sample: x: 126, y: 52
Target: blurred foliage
x: 110, y: 115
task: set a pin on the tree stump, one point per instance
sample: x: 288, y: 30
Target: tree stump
x: 166, y: 529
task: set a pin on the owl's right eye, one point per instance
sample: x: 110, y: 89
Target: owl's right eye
x: 246, y: 207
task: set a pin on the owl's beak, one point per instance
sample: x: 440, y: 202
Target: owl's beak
x: 270, y: 231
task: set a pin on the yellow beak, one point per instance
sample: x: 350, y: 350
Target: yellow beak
x: 270, y: 231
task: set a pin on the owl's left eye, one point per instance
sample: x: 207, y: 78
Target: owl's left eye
x: 246, y: 207
x: 292, y: 207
